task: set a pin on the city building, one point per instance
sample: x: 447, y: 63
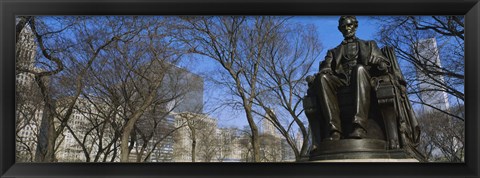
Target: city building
x: 80, y: 137
x: 432, y: 94
x: 153, y: 133
x: 161, y: 122
x: 25, y: 56
x: 192, y: 99
x: 274, y: 146
x: 196, y: 131
x: 229, y: 145
x: 29, y: 109
x: 268, y: 128
x: 211, y: 143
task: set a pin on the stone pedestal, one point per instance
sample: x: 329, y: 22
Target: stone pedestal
x: 411, y: 160
x: 358, y: 150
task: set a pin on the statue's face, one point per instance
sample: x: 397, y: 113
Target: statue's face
x: 348, y: 28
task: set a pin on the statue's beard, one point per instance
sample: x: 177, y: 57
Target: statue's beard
x: 350, y: 34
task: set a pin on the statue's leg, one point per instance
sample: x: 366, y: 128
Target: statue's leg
x: 313, y: 115
x: 361, y: 82
x: 327, y: 93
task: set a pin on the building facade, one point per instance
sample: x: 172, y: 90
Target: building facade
x: 274, y: 146
x: 29, y: 107
x: 432, y: 94
x: 200, y: 133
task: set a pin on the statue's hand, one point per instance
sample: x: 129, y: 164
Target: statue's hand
x: 383, y: 66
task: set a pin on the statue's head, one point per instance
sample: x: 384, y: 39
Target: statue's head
x: 348, y: 26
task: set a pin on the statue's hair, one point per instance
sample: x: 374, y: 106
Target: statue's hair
x: 343, y: 18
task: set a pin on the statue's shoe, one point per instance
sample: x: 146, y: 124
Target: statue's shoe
x: 334, y: 136
x: 358, y: 133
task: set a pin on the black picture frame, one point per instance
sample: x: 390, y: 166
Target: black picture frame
x: 10, y: 8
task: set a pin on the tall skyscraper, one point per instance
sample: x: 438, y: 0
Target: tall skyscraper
x: 29, y: 108
x: 192, y: 101
x: 431, y: 93
x: 190, y: 88
x: 25, y: 56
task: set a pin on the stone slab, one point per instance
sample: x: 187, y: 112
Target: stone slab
x: 411, y: 160
x: 351, y: 145
x: 359, y: 150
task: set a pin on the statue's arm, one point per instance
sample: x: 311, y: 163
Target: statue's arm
x: 377, y: 58
x: 326, y: 65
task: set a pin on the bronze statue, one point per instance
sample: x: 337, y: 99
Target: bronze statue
x: 359, y: 93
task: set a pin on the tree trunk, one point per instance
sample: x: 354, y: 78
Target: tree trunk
x: 193, y: 136
x: 46, y: 142
x: 194, y: 145
x: 255, y: 141
x: 124, y: 149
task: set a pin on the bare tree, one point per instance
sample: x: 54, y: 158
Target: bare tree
x: 51, y: 45
x: 139, y: 77
x: 209, y: 142
x: 69, y: 46
x: 443, y: 137
x: 404, y: 34
x: 91, y: 130
x: 442, y: 128
x: 193, y: 136
x: 238, y: 44
x: 27, y: 125
x: 154, y: 130
x: 289, y: 57
x: 198, y: 135
x: 246, y: 144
